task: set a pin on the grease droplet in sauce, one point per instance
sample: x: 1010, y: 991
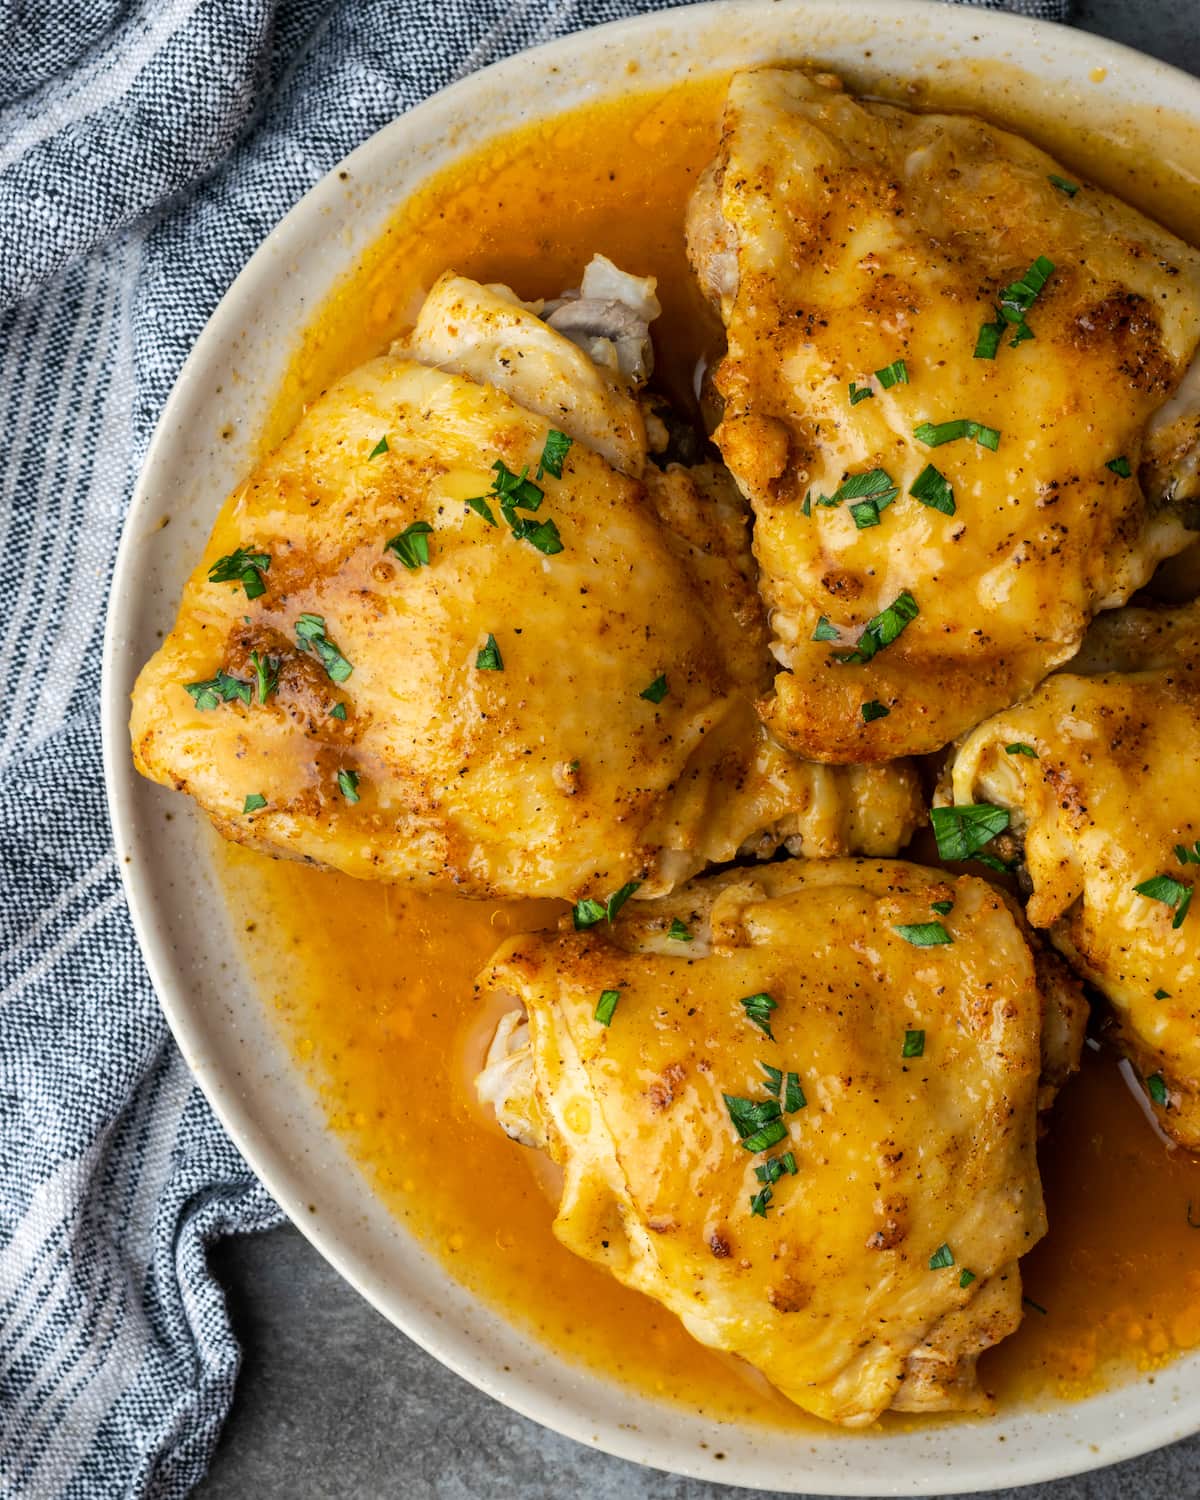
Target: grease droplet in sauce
x: 373, y: 985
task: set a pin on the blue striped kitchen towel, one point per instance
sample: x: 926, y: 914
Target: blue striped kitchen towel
x: 146, y: 147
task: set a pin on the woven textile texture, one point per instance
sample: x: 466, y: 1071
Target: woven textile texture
x: 146, y: 147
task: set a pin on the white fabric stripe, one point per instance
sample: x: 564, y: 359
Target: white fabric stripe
x: 51, y: 524
x: 106, y: 1370
x: 88, y: 587
x: 94, y: 873
x: 489, y: 41
x: 19, y: 409
x: 52, y: 956
x: 95, y: 85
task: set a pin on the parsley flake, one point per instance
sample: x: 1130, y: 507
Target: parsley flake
x: 825, y: 631
x: 894, y: 374
x: 775, y: 1166
x: 942, y: 1257
x: 411, y: 546
x: 657, y: 690
x: 380, y: 447
x: 934, y: 434
x: 266, y: 674
x: 1162, y: 994
x: 1187, y: 856
x: 348, y: 784
x: 1062, y: 184
x: 943, y: 908
x: 244, y: 567
x: 859, y: 393
x: 1157, y: 1089
x: 1120, y: 467
x: 873, y: 710
x: 310, y: 633
x: 481, y: 508
x: 217, y: 690
x: 882, y: 629
x: 677, y: 932
x: 774, y: 1078
x: 588, y: 911
x: 760, y: 1202
x: 606, y: 1006
x: 338, y: 711
x: 914, y: 1044
x: 793, y: 1094
x: 988, y: 340
x: 488, y: 658
x: 962, y: 831
x: 932, y: 488
x: 556, y: 448
x: 966, y: 1278
x: 923, y: 934
x: 1019, y: 296
x: 253, y: 802
x: 1019, y: 747
x: 1171, y: 892
x: 758, y: 1009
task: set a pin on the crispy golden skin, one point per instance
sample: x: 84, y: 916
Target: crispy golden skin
x: 552, y: 777
x: 838, y: 236
x: 831, y: 1294
x: 1102, y: 809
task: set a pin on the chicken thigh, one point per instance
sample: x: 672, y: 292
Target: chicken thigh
x: 1097, y: 774
x: 798, y: 1106
x: 438, y: 637
x: 960, y: 394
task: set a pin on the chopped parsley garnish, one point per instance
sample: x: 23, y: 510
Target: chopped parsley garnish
x: 1020, y: 334
x: 963, y: 831
x: 1001, y: 867
x: 749, y: 1116
x: 770, y: 1135
x: 1019, y: 296
x: 677, y: 932
x: 244, y: 567
x: 942, y: 1257
x: 1171, y: 892
x: 923, y: 934
x: 253, y: 802
x: 894, y: 374
x: 515, y: 489
x: 873, y: 710
x: 1162, y: 994
x: 217, y: 690
x: 338, y: 711
x: 266, y: 674
x: 411, y: 546
x: 481, y: 508
x: 1061, y: 183
x: 875, y: 489
x: 793, y: 1094
x: 1157, y: 1089
x: 588, y: 912
x: 1019, y: 747
x: 541, y: 534
x: 775, y: 1166
x: 825, y: 631
x: 966, y: 1278
x: 1187, y: 856
x: 989, y: 338
x: 310, y: 632
x: 556, y: 448
x: 859, y: 393
x: 914, y: 1044
x: 806, y: 507
x: 606, y: 1006
x: 657, y: 690
x: 1120, y: 467
x: 882, y: 629
x: 774, y: 1078
x: 1037, y: 1306
x: 380, y: 447
x: 943, y: 908
x: 488, y: 658
x: 932, y: 488
x: 934, y: 434
x: 760, y: 1202
x: 348, y: 784
x: 758, y: 1009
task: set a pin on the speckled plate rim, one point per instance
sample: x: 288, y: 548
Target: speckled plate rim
x: 203, y: 443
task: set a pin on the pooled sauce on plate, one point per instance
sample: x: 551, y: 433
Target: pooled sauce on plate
x: 373, y: 984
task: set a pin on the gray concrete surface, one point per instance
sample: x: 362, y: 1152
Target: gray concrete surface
x: 334, y: 1404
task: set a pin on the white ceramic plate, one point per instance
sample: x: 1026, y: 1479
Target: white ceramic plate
x: 223, y: 1029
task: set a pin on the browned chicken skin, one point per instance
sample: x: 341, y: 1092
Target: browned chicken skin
x: 838, y: 237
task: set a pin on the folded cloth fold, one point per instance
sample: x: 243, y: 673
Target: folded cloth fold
x: 146, y: 147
